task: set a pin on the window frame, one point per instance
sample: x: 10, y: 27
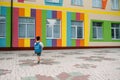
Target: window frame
x: 26, y: 28
x: 94, y: 6
x: 74, y: 4
x: 52, y: 37
x: 76, y: 27
x: 97, y: 31
x: 3, y: 36
x: 114, y: 29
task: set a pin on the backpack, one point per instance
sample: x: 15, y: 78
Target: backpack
x: 37, y: 47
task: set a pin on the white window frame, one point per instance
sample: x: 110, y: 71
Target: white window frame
x: 115, y: 4
x: 95, y: 3
x: 53, y: 1
x: 3, y: 36
x: 114, y: 29
x: 26, y: 35
x: 77, y: 2
x: 97, y: 31
x: 52, y: 26
x: 76, y: 26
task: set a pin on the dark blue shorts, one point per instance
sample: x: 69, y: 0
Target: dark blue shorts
x: 38, y: 54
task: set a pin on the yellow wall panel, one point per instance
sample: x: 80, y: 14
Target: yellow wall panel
x: 26, y: 42
x: 5, y: 4
x: 86, y: 30
x: 27, y: 12
x: 64, y: 28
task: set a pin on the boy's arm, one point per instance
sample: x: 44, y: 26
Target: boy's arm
x: 41, y: 44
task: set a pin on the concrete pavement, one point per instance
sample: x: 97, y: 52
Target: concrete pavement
x: 74, y: 64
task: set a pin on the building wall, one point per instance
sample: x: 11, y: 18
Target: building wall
x: 64, y: 12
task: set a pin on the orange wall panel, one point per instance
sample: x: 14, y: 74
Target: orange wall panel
x: 20, y: 42
x: 21, y: 12
x: 38, y: 22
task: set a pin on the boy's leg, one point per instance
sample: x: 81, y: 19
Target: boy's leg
x: 38, y: 58
x: 38, y: 55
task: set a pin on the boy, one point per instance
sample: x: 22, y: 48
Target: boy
x: 38, y: 47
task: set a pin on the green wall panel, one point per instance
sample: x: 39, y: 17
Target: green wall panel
x: 106, y: 31
x: 8, y: 27
x: 73, y: 42
x: 44, y: 27
x: 73, y: 16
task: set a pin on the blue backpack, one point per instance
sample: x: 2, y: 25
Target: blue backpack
x: 37, y: 47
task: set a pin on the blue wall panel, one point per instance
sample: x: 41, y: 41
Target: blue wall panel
x: 49, y: 42
x: 2, y: 42
x: 0, y: 10
x: 3, y: 11
x: 49, y: 14
x: 68, y: 29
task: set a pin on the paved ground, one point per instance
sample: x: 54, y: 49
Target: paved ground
x: 76, y: 64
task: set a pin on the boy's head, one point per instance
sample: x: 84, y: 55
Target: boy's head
x: 38, y: 38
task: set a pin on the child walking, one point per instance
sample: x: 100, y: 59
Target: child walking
x: 38, y: 47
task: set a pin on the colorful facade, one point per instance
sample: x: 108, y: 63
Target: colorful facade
x: 100, y: 25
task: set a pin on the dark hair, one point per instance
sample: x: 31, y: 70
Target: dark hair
x: 38, y: 38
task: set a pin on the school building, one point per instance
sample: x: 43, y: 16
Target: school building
x: 60, y: 23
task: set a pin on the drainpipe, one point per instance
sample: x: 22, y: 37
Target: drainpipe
x: 11, y: 21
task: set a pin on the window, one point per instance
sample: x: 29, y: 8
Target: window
x: 77, y: 2
x: 26, y: 27
x: 53, y: 1
x: 2, y: 26
x: 53, y: 29
x: 77, y: 29
x: 115, y: 31
x: 115, y: 4
x: 30, y: 0
x: 97, y: 30
x: 97, y: 3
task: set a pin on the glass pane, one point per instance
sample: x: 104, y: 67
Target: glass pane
x: 77, y: 2
x: 98, y: 24
x: 94, y: 33
x: 22, y: 30
x: 53, y: 21
x: 79, y: 32
x: 99, y: 32
x: 96, y: 3
x: 117, y: 33
x: 53, y: 1
x: 26, y: 20
x: 49, y: 31
x: 22, y: 20
x: 2, y: 19
x: 30, y: 30
x: 113, y: 33
x: 115, y: 25
x: 73, y: 32
x: 77, y: 23
x: 2, y: 29
x: 57, y: 22
x: 56, y: 31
